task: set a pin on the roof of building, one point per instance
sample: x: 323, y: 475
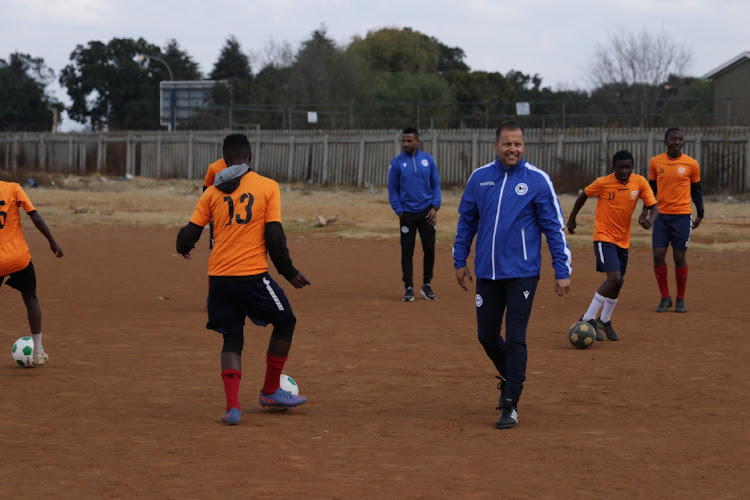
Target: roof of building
x: 715, y: 72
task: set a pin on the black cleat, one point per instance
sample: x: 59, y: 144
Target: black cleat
x: 408, y: 295
x: 664, y: 305
x: 427, y: 292
x: 680, y: 306
x: 508, y: 415
x: 592, y: 322
x: 607, y: 329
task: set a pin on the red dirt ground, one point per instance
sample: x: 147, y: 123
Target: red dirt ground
x: 401, y: 396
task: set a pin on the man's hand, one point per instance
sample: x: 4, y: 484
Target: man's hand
x: 56, y: 249
x: 562, y: 287
x: 462, y: 274
x: 572, y: 226
x: 697, y: 222
x: 299, y: 281
x: 432, y: 216
x: 186, y: 256
x: 644, y: 221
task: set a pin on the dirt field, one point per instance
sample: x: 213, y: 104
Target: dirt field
x: 401, y: 396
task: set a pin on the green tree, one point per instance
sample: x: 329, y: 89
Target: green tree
x: 111, y: 87
x: 23, y: 99
x: 182, y: 64
x: 232, y: 62
x: 391, y: 50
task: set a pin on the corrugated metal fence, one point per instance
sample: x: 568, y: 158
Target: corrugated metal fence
x: 572, y: 157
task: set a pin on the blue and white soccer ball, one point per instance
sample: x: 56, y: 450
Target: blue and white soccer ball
x: 288, y: 384
x: 23, y: 352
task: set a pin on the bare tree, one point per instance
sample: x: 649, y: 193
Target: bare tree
x: 643, y: 58
x: 275, y: 53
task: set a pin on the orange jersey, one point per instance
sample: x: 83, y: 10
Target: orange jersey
x: 14, y: 251
x: 615, y: 207
x: 214, y: 169
x: 673, y: 177
x: 240, y: 221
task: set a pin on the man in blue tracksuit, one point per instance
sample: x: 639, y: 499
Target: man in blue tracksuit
x: 508, y: 204
x: 414, y: 193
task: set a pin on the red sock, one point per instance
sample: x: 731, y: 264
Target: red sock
x: 681, y: 274
x: 231, y: 380
x: 274, y: 366
x: 661, y: 279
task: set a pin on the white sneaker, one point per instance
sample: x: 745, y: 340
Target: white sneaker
x: 40, y: 358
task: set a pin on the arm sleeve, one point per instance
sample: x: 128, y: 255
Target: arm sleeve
x: 188, y: 237
x: 696, y: 193
x: 437, y: 197
x: 653, y: 186
x: 394, y: 176
x: 277, y: 249
x: 552, y: 223
x: 273, y: 204
x: 468, y: 223
x: 23, y: 200
x: 593, y: 189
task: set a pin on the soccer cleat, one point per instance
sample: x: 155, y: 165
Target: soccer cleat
x: 607, y: 329
x: 280, y: 399
x: 508, y: 415
x: 40, y: 358
x: 680, y: 306
x: 427, y: 292
x: 232, y: 417
x: 592, y: 322
x: 408, y: 295
x: 664, y: 304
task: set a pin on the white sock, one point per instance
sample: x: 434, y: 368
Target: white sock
x: 594, y: 307
x: 609, y: 306
x: 37, y: 338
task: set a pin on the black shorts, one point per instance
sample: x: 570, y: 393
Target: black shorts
x: 24, y: 280
x: 610, y: 257
x: 672, y: 229
x: 233, y: 298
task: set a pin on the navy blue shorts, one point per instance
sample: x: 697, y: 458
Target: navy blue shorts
x: 233, y: 298
x: 610, y: 257
x: 24, y: 280
x: 674, y: 229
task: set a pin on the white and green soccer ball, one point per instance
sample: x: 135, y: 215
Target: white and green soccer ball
x: 23, y: 352
x: 288, y: 384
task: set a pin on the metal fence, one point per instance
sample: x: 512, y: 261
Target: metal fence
x: 572, y: 157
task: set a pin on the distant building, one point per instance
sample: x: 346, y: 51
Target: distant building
x: 731, y: 82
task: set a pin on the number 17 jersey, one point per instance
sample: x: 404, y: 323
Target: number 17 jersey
x: 240, y: 219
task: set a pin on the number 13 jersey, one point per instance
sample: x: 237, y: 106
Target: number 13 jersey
x: 240, y: 219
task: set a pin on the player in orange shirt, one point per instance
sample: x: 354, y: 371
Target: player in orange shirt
x: 15, y: 257
x: 618, y: 194
x: 676, y: 179
x: 246, y: 210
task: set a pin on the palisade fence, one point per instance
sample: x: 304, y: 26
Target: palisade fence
x: 572, y: 157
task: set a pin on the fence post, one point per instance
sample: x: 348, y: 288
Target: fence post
x: 128, y: 155
x: 699, y: 148
x: 361, y: 162
x: 746, y: 187
x: 99, y: 154
x: 603, y: 155
x: 324, y: 173
x: 434, y: 143
x: 649, y: 146
x: 14, y: 154
x: 560, y: 151
x: 41, y: 152
x: 70, y: 152
x: 158, y: 155
x: 290, y: 164
x: 256, y: 155
x: 474, y: 151
x: 190, y: 168
x: 82, y: 156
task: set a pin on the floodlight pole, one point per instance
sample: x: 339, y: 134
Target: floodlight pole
x: 172, y: 125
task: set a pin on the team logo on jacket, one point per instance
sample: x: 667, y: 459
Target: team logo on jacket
x: 681, y: 170
x: 480, y: 301
x: 404, y: 229
x: 425, y: 163
x: 521, y: 189
x: 634, y: 195
x: 403, y: 165
x: 487, y: 183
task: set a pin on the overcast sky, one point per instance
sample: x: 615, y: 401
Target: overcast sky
x: 555, y: 39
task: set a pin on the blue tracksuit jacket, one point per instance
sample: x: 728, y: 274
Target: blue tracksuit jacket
x: 509, y: 208
x: 413, y: 183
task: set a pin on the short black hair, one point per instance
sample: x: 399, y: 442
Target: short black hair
x: 411, y: 130
x: 670, y: 130
x: 236, y: 149
x: 508, y: 125
x: 622, y: 155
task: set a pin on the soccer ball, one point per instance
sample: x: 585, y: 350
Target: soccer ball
x: 288, y: 384
x: 23, y: 352
x: 581, y: 335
